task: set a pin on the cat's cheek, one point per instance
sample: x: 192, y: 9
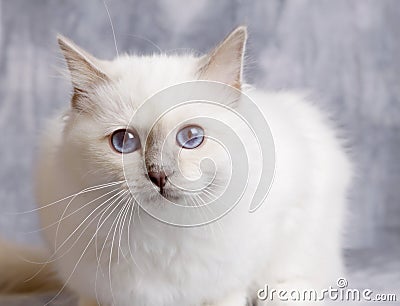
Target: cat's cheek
x: 189, y: 167
x: 131, y: 167
x: 217, y: 158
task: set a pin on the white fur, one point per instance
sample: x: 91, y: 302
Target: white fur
x: 292, y: 241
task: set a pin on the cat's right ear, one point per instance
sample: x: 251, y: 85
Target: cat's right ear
x: 225, y: 63
x: 85, y: 70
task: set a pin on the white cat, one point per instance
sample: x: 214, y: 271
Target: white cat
x: 110, y: 251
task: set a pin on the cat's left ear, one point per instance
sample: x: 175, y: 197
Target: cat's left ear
x: 225, y: 63
x: 86, y: 71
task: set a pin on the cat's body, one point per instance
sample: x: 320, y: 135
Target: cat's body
x: 292, y: 241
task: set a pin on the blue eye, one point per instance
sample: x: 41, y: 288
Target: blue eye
x: 125, y: 141
x: 190, y: 137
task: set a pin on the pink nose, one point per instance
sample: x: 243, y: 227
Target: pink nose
x: 158, y: 178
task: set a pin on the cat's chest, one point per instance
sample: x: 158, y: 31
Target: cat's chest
x: 177, y: 272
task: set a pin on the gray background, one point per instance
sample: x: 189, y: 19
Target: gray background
x: 346, y: 52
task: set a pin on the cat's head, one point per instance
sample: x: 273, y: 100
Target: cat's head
x: 112, y: 132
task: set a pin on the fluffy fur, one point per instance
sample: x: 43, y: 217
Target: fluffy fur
x: 19, y: 265
x: 292, y: 241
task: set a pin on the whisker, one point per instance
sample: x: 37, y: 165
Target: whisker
x: 98, y: 256
x: 62, y: 216
x: 118, y: 196
x: 118, y: 219
x: 112, y: 27
x: 69, y: 215
x: 147, y: 40
x: 134, y: 206
x: 98, y: 226
x: 217, y: 185
x: 73, y: 271
x: 105, y: 240
x: 209, y: 207
x: 209, y: 194
x: 52, y: 259
x: 203, y: 208
x: 121, y: 230
x: 88, y: 189
x: 79, y: 260
x: 199, y: 206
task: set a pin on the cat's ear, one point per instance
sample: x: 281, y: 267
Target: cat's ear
x: 85, y: 70
x: 225, y: 63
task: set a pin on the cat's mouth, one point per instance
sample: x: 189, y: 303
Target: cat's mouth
x: 154, y: 193
x: 167, y: 194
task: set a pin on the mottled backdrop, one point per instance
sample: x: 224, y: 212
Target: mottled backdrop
x: 346, y: 52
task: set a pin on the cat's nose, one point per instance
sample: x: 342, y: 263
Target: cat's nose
x: 159, y: 178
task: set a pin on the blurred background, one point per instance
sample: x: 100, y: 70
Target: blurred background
x: 347, y: 53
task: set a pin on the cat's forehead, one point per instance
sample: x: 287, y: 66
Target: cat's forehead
x: 135, y: 79
x: 143, y: 76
